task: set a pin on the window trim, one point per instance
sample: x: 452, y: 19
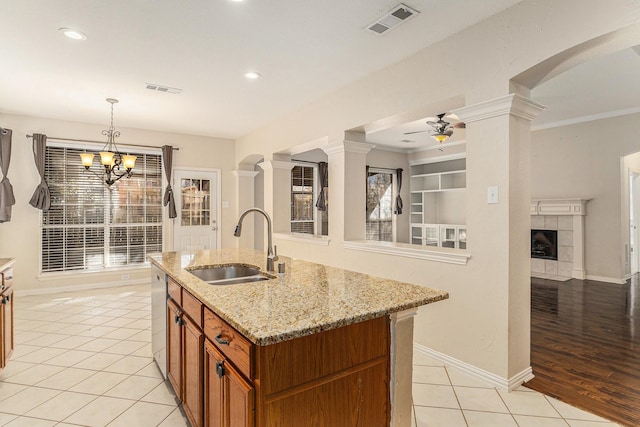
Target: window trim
x: 317, y: 224
x: 96, y: 146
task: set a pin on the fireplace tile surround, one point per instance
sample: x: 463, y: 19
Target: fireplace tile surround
x: 566, y: 216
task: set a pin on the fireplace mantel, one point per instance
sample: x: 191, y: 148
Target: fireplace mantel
x: 552, y: 210
x: 559, y: 206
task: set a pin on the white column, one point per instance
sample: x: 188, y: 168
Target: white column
x: 246, y: 191
x: 277, y: 193
x: 498, y: 155
x: 347, y: 163
x: 401, y: 367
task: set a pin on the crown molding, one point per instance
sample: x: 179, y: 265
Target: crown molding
x: 275, y: 164
x: 513, y: 104
x: 243, y: 173
x: 348, y: 147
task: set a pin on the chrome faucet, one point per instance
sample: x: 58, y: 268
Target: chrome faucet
x: 271, y: 255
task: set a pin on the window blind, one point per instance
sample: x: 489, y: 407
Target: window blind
x: 91, y: 226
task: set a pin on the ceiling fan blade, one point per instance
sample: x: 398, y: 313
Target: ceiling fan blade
x: 460, y: 125
x: 418, y: 131
x: 453, y: 116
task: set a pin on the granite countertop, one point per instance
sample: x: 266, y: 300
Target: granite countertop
x: 6, y: 262
x: 307, y: 299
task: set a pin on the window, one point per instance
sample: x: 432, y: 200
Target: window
x: 302, y: 199
x: 380, y: 205
x: 91, y: 226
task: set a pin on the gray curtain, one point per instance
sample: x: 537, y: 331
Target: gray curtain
x: 167, y: 159
x: 7, y: 200
x: 398, y: 210
x: 323, y: 175
x: 41, y: 198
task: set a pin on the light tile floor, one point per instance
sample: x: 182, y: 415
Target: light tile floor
x: 84, y: 359
x: 444, y: 396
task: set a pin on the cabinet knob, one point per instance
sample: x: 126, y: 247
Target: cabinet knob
x: 221, y: 341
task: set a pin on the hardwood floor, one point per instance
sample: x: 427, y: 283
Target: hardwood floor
x: 585, y: 345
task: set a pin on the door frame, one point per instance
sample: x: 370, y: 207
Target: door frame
x: 634, y: 236
x: 218, y: 201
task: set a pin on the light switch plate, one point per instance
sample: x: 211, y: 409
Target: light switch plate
x: 492, y: 194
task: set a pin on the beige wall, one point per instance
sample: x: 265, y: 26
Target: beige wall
x: 20, y: 238
x: 485, y: 321
x: 584, y: 160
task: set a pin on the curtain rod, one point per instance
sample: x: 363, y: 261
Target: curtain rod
x: 102, y: 142
x: 305, y: 161
x: 386, y: 169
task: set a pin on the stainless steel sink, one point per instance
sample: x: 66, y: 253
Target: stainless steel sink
x: 230, y: 274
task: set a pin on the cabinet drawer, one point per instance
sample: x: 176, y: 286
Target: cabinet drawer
x: 175, y: 291
x: 7, y: 278
x: 193, y: 307
x: 230, y: 342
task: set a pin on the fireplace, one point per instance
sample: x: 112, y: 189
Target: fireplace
x: 544, y: 244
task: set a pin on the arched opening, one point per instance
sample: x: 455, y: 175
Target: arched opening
x: 583, y: 315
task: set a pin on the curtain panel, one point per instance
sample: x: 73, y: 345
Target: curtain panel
x: 398, y: 209
x: 7, y: 199
x: 323, y: 177
x: 41, y: 198
x: 167, y: 159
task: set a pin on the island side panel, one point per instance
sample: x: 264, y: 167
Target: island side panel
x: 338, y: 378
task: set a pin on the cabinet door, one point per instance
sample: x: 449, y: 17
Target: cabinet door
x: 239, y: 399
x: 229, y: 398
x: 6, y: 328
x: 174, y: 347
x: 213, y: 386
x: 192, y: 341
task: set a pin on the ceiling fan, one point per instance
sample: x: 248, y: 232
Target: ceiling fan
x: 440, y: 129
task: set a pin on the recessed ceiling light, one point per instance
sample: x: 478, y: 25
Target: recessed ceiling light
x: 252, y: 75
x: 73, y: 34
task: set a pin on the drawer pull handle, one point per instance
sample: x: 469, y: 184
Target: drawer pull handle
x: 220, y: 341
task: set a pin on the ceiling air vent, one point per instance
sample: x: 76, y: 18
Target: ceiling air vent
x: 165, y: 89
x: 395, y: 16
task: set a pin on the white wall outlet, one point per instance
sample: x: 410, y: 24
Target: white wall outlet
x: 225, y: 204
x: 124, y: 277
x: 492, y: 194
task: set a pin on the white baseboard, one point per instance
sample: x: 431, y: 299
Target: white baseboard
x: 508, y: 384
x: 58, y: 289
x: 606, y: 279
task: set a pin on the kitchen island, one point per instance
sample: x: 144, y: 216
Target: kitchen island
x: 316, y: 345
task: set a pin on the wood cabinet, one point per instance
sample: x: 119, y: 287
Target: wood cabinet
x: 6, y: 317
x: 185, y: 342
x: 337, y: 378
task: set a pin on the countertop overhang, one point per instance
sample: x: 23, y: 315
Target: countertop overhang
x: 308, y: 298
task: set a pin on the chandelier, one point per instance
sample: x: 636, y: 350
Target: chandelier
x: 116, y: 165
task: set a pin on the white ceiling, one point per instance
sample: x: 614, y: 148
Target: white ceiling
x: 303, y: 49
x: 604, y: 87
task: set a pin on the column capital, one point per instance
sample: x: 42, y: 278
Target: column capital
x: 244, y: 173
x: 513, y: 104
x: 347, y: 147
x: 275, y: 164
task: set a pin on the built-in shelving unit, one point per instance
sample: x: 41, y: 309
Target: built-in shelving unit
x: 431, y: 210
